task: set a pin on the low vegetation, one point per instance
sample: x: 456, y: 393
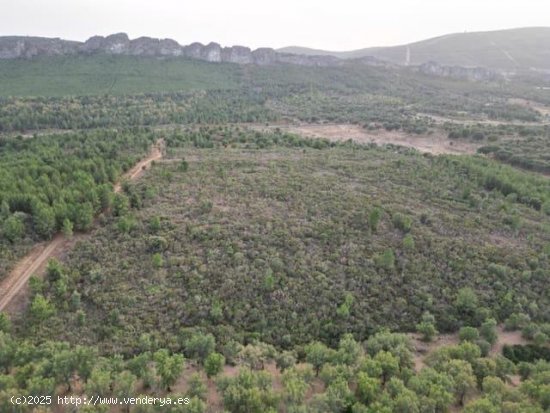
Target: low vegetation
x: 284, y: 272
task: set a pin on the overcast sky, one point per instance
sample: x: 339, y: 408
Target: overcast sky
x: 334, y: 25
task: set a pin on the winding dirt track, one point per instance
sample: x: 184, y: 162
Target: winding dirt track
x: 35, y: 262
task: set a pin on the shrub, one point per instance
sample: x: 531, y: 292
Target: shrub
x: 468, y: 334
x: 402, y: 222
x: 158, y: 261
x: 386, y: 260
x: 526, y: 353
x: 408, y: 242
x: 213, y: 364
x: 427, y: 327
x: 488, y: 331
x: 374, y: 219
x: 13, y: 228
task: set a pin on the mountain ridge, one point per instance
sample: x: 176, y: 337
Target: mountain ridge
x: 24, y: 47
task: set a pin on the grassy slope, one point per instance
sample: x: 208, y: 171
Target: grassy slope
x: 529, y: 47
x: 114, y: 75
x: 507, y: 49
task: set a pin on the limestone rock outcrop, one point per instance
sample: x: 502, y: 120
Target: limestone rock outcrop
x: 19, y: 47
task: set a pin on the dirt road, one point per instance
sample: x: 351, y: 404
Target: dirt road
x: 137, y: 169
x: 35, y: 262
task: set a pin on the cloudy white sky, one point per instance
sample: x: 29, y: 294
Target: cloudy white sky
x: 334, y: 25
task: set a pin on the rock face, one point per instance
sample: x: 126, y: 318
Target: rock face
x: 264, y: 56
x: 194, y: 50
x: 169, y: 47
x: 212, y: 52
x: 459, y: 72
x: 15, y: 47
x: 237, y: 54
x: 302, y: 60
x: 119, y: 44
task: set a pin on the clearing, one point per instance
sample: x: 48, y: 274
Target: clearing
x: 435, y: 143
x: 424, y: 349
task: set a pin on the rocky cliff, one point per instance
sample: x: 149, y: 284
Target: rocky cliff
x: 14, y: 47
x: 119, y: 44
x: 458, y: 72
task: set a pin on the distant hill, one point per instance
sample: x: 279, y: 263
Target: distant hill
x: 513, y: 49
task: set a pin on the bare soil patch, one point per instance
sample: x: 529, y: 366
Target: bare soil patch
x: 509, y: 338
x: 423, y: 349
x: 435, y: 143
x: 502, y: 240
x: 539, y: 107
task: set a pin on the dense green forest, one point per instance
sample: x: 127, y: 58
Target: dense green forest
x: 114, y: 75
x: 88, y: 112
x: 55, y: 182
